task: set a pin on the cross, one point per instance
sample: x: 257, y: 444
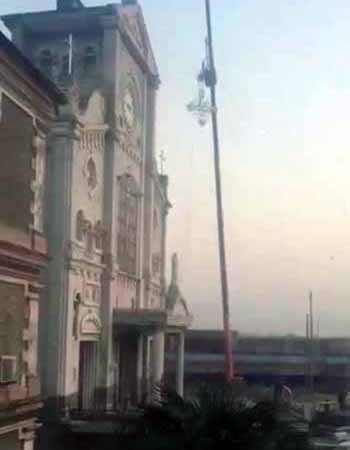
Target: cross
x: 162, y: 162
x: 69, y: 42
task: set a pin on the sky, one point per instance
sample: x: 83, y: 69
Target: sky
x: 284, y: 113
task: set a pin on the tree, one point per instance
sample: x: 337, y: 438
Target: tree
x: 215, y: 417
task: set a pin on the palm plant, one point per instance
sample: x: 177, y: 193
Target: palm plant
x: 214, y: 418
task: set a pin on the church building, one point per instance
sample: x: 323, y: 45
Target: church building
x: 28, y: 105
x: 107, y: 308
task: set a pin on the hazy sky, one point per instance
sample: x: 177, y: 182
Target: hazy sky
x: 284, y: 114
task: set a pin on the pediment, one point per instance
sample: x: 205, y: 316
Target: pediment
x: 133, y: 23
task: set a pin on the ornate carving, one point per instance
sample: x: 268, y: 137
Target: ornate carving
x: 90, y: 324
x: 92, y: 235
x: 93, y: 138
x: 92, y: 294
x: 82, y: 226
x: 128, y: 141
x: 128, y: 126
x: 90, y: 173
x: 129, y: 108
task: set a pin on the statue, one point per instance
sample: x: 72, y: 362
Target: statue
x: 175, y: 302
x: 174, y: 269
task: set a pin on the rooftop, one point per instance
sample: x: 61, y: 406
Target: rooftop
x: 71, y: 16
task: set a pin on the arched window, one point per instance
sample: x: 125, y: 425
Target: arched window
x: 46, y: 62
x: 127, y: 224
x: 90, y: 61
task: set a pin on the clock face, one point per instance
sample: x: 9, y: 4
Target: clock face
x: 129, y: 109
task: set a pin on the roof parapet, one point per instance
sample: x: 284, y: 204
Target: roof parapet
x: 69, y: 5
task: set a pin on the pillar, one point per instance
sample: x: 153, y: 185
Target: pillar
x: 180, y: 366
x: 147, y: 369
x: 139, y: 367
x: 158, y: 356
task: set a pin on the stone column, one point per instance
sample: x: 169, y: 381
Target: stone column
x: 180, y: 360
x: 146, y: 368
x: 109, y: 84
x: 139, y: 367
x: 148, y: 189
x: 58, y: 353
x: 164, y: 182
x: 158, y: 356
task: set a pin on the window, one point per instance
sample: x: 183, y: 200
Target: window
x: 127, y: 224
x: 99, y: 232
x: 80, y: 226
x: 6, y: 332
x: 11, y: 330
x: 46, y: 62
x: 90, y: 61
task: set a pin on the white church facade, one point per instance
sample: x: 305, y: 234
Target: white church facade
x: 107, y: 307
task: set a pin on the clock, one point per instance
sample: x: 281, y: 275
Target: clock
x: 129, y: 110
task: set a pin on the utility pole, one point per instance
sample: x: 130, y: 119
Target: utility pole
x: 311, y: 346
x: 202, y: 108
x: 307, y: 352
x: 210, y: 81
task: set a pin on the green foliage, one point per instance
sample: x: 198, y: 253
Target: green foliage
x: 214, y: 418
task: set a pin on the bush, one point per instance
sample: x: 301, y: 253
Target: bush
x: 215, y: 417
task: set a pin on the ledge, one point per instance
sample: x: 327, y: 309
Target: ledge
x: 14, y: 396
x: 176, y: 321
x: 143, y: 318
x: 139, y: 318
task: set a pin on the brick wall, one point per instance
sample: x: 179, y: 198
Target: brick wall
x: 16, y: 136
